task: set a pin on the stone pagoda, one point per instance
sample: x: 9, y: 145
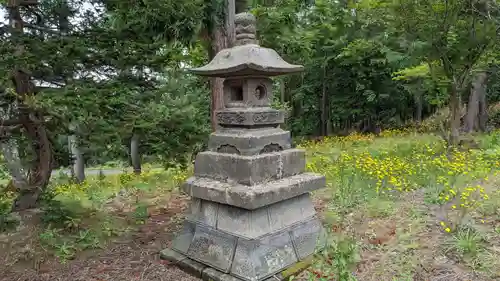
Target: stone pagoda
x: 251, y: 215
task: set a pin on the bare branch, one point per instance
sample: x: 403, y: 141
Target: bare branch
x: 21, y: 3
x: 26, y: 3
x: 41, y: 28
x: 10, y: 122
x: 5, y: 132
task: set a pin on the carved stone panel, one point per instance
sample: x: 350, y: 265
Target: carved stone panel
x: 260, y: 258
x: 266, y: 117
x: 203, y: 211
x: 308, y: 237
x: 225, y: 117
x: 271, y: 148
x: 249, y: 142
x: 292, y: 211
x: 263, y: 116
x: 249, y: 170
x: 226, y: 148
x: 259, y: 91
x: 239, y: 222
x: 183, y: 240
x: 213, y: 248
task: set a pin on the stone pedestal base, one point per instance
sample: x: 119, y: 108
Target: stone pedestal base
x: 209, y: 274
x: 251, y: 245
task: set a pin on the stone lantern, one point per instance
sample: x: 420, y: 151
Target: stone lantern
x: 251, y: 216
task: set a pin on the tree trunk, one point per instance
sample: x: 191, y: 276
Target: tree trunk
x: 418, y: 106
x: 41, y: 167
x: 217, y: 88
x: 134, y: 154
x: 483, y: 105
x: 297, y: 104
x: 471, y: 119
x: 324, y: 107
x: 218, y: 43
x: 222, y: 37
x: 477, y: 100
x: 13, y: 163
x: 455, y: 116
x: 231, y: 10
x: 32, y: 123
x: 282, y: 91
x: 240, y: 5
x: 283, y: 101
x: 10, y: 151
x: 78, y: 162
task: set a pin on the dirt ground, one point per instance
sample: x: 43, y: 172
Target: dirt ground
x: 385, y: 243
x: 134, y: 257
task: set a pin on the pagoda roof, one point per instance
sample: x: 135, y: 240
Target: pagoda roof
x: 247, y: 60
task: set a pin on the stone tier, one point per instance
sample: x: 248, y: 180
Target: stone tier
x: 256, y: 196
x: 249, y: 170
x: 206, y: 273
x: 250, y: 245
x: 249, y: 141
x: 252, y: 224
x: 249, y: 117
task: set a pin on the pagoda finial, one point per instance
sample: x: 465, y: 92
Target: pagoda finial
x: 245, y: 29
x: 246, y: 57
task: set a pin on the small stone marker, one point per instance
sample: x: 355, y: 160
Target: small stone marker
x: 251, y: 216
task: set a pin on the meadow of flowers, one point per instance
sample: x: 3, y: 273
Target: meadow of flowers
x: 405, y: 162
x: 361, y: 169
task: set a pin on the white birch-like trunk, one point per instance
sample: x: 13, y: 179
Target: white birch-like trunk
x: 10, y: 151
x: 134, y: 154
x: 78, y: 164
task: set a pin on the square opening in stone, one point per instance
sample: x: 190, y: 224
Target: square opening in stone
x: 236, y: 93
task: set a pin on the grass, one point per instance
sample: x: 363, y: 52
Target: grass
x: 79, y: 217
x: 397, y: 207
x: 415, y: 209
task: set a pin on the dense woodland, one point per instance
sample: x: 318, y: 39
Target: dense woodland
x: 91, y: 81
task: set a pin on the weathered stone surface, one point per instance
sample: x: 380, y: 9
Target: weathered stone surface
x: 253, y: 197
x: 249, y: 170
x: 260, y: 258
x: 308, y: 238
x: 190, y: 266
x: 292, y: 211
x: 293, y: 270
x: 172, y: 256
x: 204, y: 212
x: 210, y: 274
x: 256, y: 116
x: 183, y: 240
x: 247, y: 60
x: 212, y: 247
x: 244, y: 223
x: 249, y: 141
x: 252, y: 224
x: 278, y: 253
x: 252, y: 217
x: 250, y: 94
